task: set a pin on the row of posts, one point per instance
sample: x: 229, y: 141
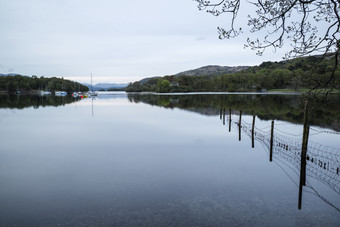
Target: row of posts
x: 222, y: 117
x: 303, y: 149
x: 305, y: 132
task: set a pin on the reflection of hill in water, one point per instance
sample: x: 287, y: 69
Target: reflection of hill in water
x: 35, y: 101
x: 281, y: 107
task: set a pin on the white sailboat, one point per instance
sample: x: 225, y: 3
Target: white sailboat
x: 75, y: 94
x: 92, y: 93
x: 61, y: 93
x: 44, y: 93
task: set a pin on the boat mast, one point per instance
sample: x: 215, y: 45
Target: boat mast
x: 91, y: 83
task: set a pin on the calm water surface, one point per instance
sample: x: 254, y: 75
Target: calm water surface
x: 180, y: 160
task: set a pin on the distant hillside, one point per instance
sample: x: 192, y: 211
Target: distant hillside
x: 146, y: 80
x: 105, y: 86
x: 208, y: 70
x: 294, y: 74
x: 28, y: 85
x: 212, y: 70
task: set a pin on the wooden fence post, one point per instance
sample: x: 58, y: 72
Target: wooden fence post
x: 303, y: 154
x: 229, y: 120
x: 271, y: 141
x: 304, y: 143
x: 252, y: 132
x: 239, y: 126
x: 223, y: 116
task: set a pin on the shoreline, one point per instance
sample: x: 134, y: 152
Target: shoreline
x: 269, y: 92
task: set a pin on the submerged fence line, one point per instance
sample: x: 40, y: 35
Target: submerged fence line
x: 323, y: 162
x: 323, y: 131
x: 303, y: 158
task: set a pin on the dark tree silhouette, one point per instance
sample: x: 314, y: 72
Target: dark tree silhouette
x: 309, y: 26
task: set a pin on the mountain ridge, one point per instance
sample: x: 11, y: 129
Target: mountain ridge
x: 212, y: 70
x: 207, y: 70
x: 100, y: 86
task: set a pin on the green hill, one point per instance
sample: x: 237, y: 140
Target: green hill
x: 10, y: 83
x: 298, y: 73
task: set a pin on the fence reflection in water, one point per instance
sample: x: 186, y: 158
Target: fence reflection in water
x: 305, y: 158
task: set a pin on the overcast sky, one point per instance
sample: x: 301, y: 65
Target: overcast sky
x: 116, y: 41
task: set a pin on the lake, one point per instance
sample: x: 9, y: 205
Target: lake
x: 168, y: 160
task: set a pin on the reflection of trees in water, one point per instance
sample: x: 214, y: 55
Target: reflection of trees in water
x: 35, y: 101
x: 321, y: 162
x: 281, y: 107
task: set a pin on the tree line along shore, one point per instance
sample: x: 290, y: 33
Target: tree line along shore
x: 293, y: 75
x: 296, y: 75
x: 30, y: 85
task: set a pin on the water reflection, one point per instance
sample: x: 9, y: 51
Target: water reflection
x: 317, y: 161
x: 294, y: 152
x: 93, y: 98
x: 35, y: 101
x: 135, y: 165
x: 281, y: 107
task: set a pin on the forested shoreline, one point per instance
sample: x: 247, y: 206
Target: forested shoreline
x: 10, y: 84
x: 295, y: 74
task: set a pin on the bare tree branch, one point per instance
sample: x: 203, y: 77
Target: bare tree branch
x: 308, y: 26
